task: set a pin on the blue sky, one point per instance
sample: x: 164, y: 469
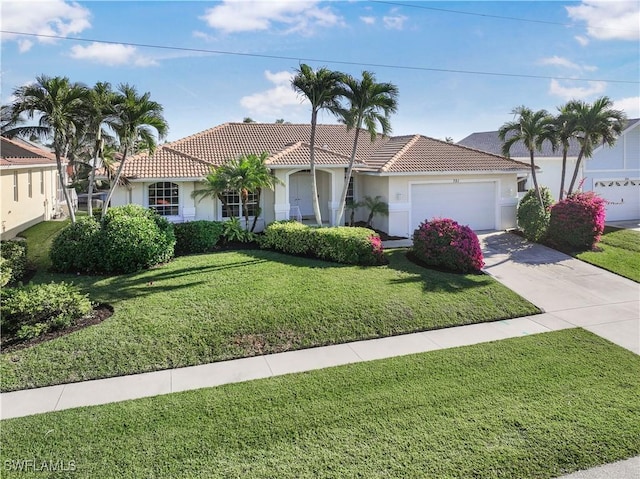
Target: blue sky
x: 590, y: 39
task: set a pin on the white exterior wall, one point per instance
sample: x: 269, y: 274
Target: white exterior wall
x: 618, y: 162
x: 376, y: 186
x: 550, y: 173
x: 16, y: 216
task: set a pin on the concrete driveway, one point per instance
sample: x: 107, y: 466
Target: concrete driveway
x: 574, y: 293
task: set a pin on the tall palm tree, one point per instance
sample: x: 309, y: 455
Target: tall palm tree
x: 101, y: 106
x: 564, y: 129
x: 215, y: 185
x: 532, y: 129
x: 60, y: 105
x: 136, y: 118
x: 322, y: 88
x: 370, y: 104
x: 595, y: 124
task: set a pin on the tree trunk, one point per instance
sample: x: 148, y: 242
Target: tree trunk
x: 563, y: 173
x: 312, y: 164
x: 244, y: 195
x: 535, y: 181
x: 258, y: 209
x: 92, y: 173
x: 105, y: 206
x: 61, y: 176
x: 345, y: 188
x: 575, y: 172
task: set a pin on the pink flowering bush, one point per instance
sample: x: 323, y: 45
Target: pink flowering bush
x: 577, y: 222
x: 445, y: 243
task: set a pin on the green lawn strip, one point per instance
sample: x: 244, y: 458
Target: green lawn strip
x: 531, y: 407
x: 39, y: 238
x: 619, y: 252
x: 206, y: 308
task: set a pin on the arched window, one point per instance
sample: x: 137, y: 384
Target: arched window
x: 163, y: 198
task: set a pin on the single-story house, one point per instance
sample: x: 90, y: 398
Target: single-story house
x: 30, y: 186
x: 419, y: 177
x: 612, y: 172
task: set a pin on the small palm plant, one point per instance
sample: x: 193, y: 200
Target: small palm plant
x: 376, y: 206
x: 351, y: 206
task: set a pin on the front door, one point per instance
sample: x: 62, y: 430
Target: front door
x: 300, y: 193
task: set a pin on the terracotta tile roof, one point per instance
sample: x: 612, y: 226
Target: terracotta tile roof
x: 14, y: 152
x: 287, y: 145
x: 424, y: 154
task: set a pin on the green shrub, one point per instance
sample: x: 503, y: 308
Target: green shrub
x: 445, y: 243
x: 233, y: 231
x: 533, y: 220
x: 134, y: 238
x: 5, y: 272
x: 14, y: 254
x: 129, y: 239
x: 29, y: 311
x: 78, y: 247
x: 341, y: 244
x: 577, y: 222
x: 197, y: 236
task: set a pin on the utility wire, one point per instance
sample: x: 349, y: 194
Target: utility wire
x: 316, y: 60
x: 487, y: 15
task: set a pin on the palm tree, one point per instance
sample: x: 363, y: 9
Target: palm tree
x: 564, y: 129
x: 60, y: 105
x: 370, y: 103
x: 101, y: 106
x: 322, y: 88
x: 215, y: 185
x: 532, y: 129
x: 136, y: 118
x: 595, y: 124
x: 376, y: 206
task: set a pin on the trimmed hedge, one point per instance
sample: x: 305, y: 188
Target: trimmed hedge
x: 533, y: 220
x: 342, y: 244
x: 197, y: 236
x: 444, y: 243
x: 129, y: 239
x: 14, y: 264
x: 35, y: 309
x: 577, y: 222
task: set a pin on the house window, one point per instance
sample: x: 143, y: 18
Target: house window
x: 15, y: 186
x: 522, y: 185
x: 349, y: 197
x: 234, y: 205
x: 163, y: 198
x: 30, y: 183
x: 42, y: 182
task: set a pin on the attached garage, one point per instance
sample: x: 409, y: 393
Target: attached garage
x: 471, y: 203
x: 623, y: 197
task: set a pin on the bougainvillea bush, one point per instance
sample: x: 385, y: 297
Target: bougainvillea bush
x: 533, y: 220
x: 444, y: 243
x: 577, y: 222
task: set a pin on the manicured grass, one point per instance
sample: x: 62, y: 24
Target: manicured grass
x: 39, y: 238
x: 206, y: 308
x: 532, y: 407
x: 620, y: 253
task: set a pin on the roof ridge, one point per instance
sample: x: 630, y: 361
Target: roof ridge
x: 186, y: 155
x: 196, y: 135
x: 287, y: 149
x: 400, y: 152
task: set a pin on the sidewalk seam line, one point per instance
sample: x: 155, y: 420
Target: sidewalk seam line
x: 55, y: 408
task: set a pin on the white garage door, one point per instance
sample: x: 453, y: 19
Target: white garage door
x: 623, y: 197
x: 472, y: 204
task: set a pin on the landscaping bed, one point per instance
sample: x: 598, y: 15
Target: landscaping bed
x: 533, y: 407
x: 212, y: 307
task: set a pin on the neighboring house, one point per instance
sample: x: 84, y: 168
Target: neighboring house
x: 30, y: 186
x: 548, y: 161
x: 612, y: 172
x: 419, y: 177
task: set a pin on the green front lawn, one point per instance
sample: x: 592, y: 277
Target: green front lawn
x: 39, y: 239
x: 532, y: 407
x: 205, y: 308
x: 619, y: 253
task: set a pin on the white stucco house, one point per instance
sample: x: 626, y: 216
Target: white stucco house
x: 30, y: 186
x: 420, y: 177
x: 612, y: 172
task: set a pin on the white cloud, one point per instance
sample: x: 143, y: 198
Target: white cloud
x: 295, y: 15
x: 394, y: 22
x: 111, y: 54
x: 566, y: 63
x: 53, y: 17
x: 276, y: 101
x: 630, y: 105
x: 368, y: 20
x: 584, y: 41
x: 607, y: 20
x: 567, y: 92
